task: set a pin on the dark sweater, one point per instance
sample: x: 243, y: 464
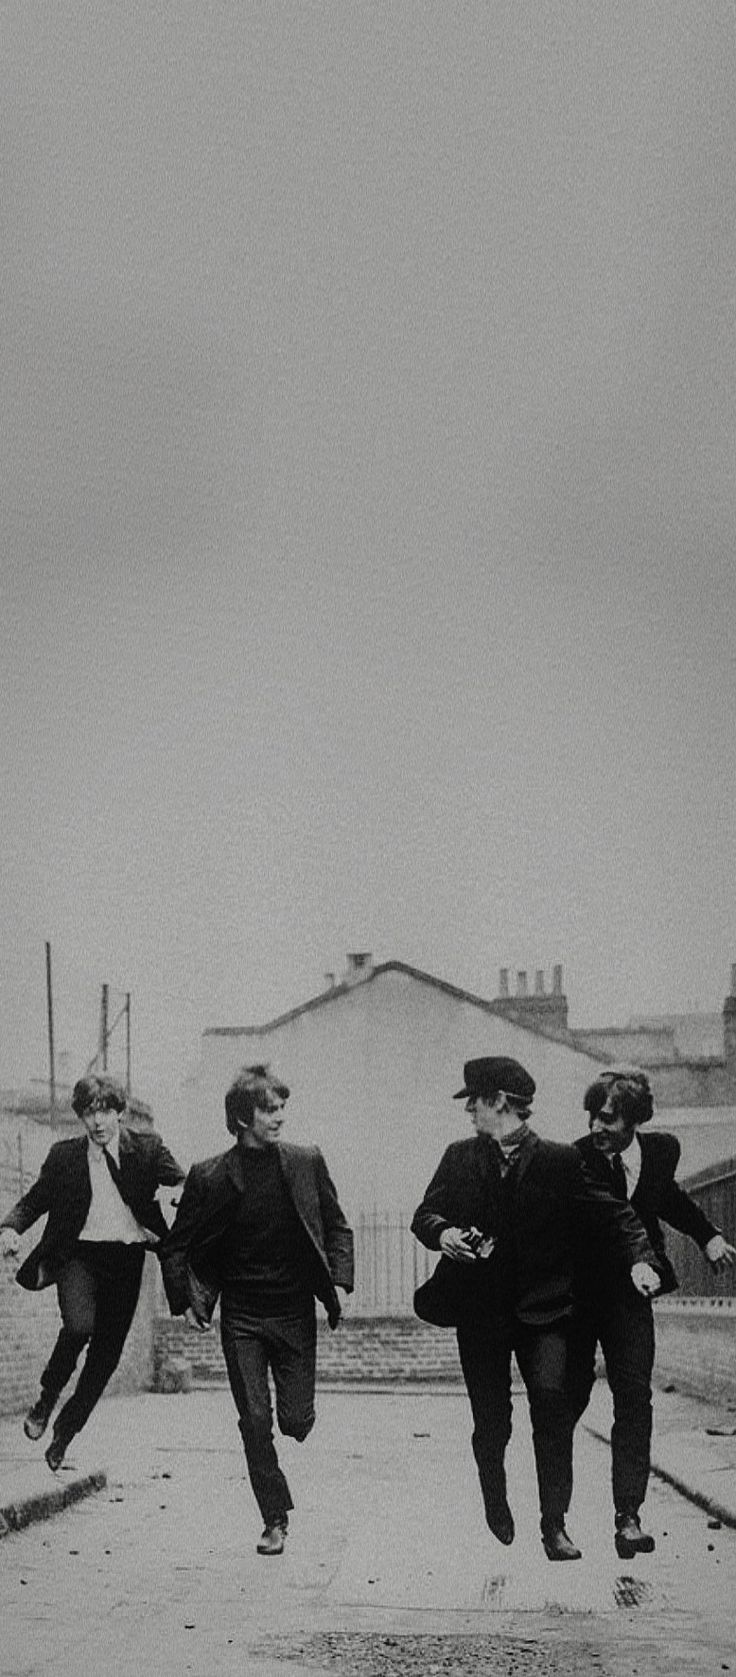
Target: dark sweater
x: 264, y: 1254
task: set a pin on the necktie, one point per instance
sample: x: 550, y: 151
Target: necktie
x: 619, y: 1178
x: 114, y: 1169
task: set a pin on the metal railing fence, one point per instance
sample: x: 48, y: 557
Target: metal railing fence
x: 714, y: 1190
x: 389, y: 1264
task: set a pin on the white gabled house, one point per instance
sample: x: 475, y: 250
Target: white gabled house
x: 373, y: 1063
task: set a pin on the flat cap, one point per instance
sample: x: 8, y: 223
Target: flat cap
x: 495, y: 1074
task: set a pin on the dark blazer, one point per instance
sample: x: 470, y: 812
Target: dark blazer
x: 552, y: 1210
x: 657, y: 1195
x: 190, y: 1257
x: 63, y: 1191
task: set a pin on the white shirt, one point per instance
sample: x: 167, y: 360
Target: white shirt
x: 109, y: 1218
x: 631, y: 1161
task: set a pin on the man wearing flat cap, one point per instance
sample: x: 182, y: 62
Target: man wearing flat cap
x: 509, y: 1213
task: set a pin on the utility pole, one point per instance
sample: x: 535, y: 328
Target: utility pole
x: 103, y: 1027
x: 52, y: 1062
x: 127, y: 1043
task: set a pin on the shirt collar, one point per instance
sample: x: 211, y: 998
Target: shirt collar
x: 112, y: 1147
x: 629, y: 1155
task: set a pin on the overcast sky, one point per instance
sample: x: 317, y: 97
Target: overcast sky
x: 368, y: 506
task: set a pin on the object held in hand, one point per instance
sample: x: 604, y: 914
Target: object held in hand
x: 481, y: 1244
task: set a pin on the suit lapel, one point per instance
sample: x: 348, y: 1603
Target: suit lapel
x: 645, y: 1170
x: 527, y: 1151
x: 298, y: 1182
x: 479, y: 1186
x: 233, y: 1172
x: 80, y: 1186
x: 126, y: 1165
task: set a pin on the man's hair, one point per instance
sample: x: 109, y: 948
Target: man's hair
x: 246, y: 1093
x: 629, y: 1090
x: 522, y: 1109
x: 96, y: 1087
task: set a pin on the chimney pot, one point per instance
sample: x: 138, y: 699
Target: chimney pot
x: 557, y: 981
x: 521, y: 984
x: 539, y: 982
x: 503, y: 983
x: 733, y: 979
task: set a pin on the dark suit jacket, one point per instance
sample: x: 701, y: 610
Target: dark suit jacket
x: 63, y: 1190
x: 657, y: 1195
x: 552, y: 1209
x: 190, y: 1258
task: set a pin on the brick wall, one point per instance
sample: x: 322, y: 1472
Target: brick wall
x: 361, y: 1350
x: 696, y: 1350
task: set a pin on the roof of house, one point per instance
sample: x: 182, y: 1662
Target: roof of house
x: 343, y: 988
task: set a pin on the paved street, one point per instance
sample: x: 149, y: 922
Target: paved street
x: 389, y: 1567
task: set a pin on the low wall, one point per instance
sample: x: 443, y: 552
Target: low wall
x: 696, y: 1350
x: 696, y: 1346
x: 360, y: 1351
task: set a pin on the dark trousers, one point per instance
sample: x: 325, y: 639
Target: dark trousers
x: 98, y: 1291
x: 286, y: 1346
x: 485, y: 1357
x: 624, y: 1328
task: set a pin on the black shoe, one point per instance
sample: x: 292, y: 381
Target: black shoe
x: 558, y: 1546
x: 56, y: 1450
x: 630, y: 1540
x: 273, y: 1536
x: 38, y: 1416
x: 500, y: 1520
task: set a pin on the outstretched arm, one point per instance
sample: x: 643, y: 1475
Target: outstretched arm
x: 168, y: 1169
x: 32, y: 1205
x: 614, y: 1219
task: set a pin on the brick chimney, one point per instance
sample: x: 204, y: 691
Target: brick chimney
x: 544, y: 1008
x: 729, y: 1027
x: 359, y: 967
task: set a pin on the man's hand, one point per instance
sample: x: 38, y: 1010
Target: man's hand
x: 646, y: 1280
x: 195, y: 1321
x: 9, y: 1243
x: 719, y: 1253
x: 455, y: 1246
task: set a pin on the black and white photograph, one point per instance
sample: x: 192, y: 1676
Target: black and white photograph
x: 368, y: 870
